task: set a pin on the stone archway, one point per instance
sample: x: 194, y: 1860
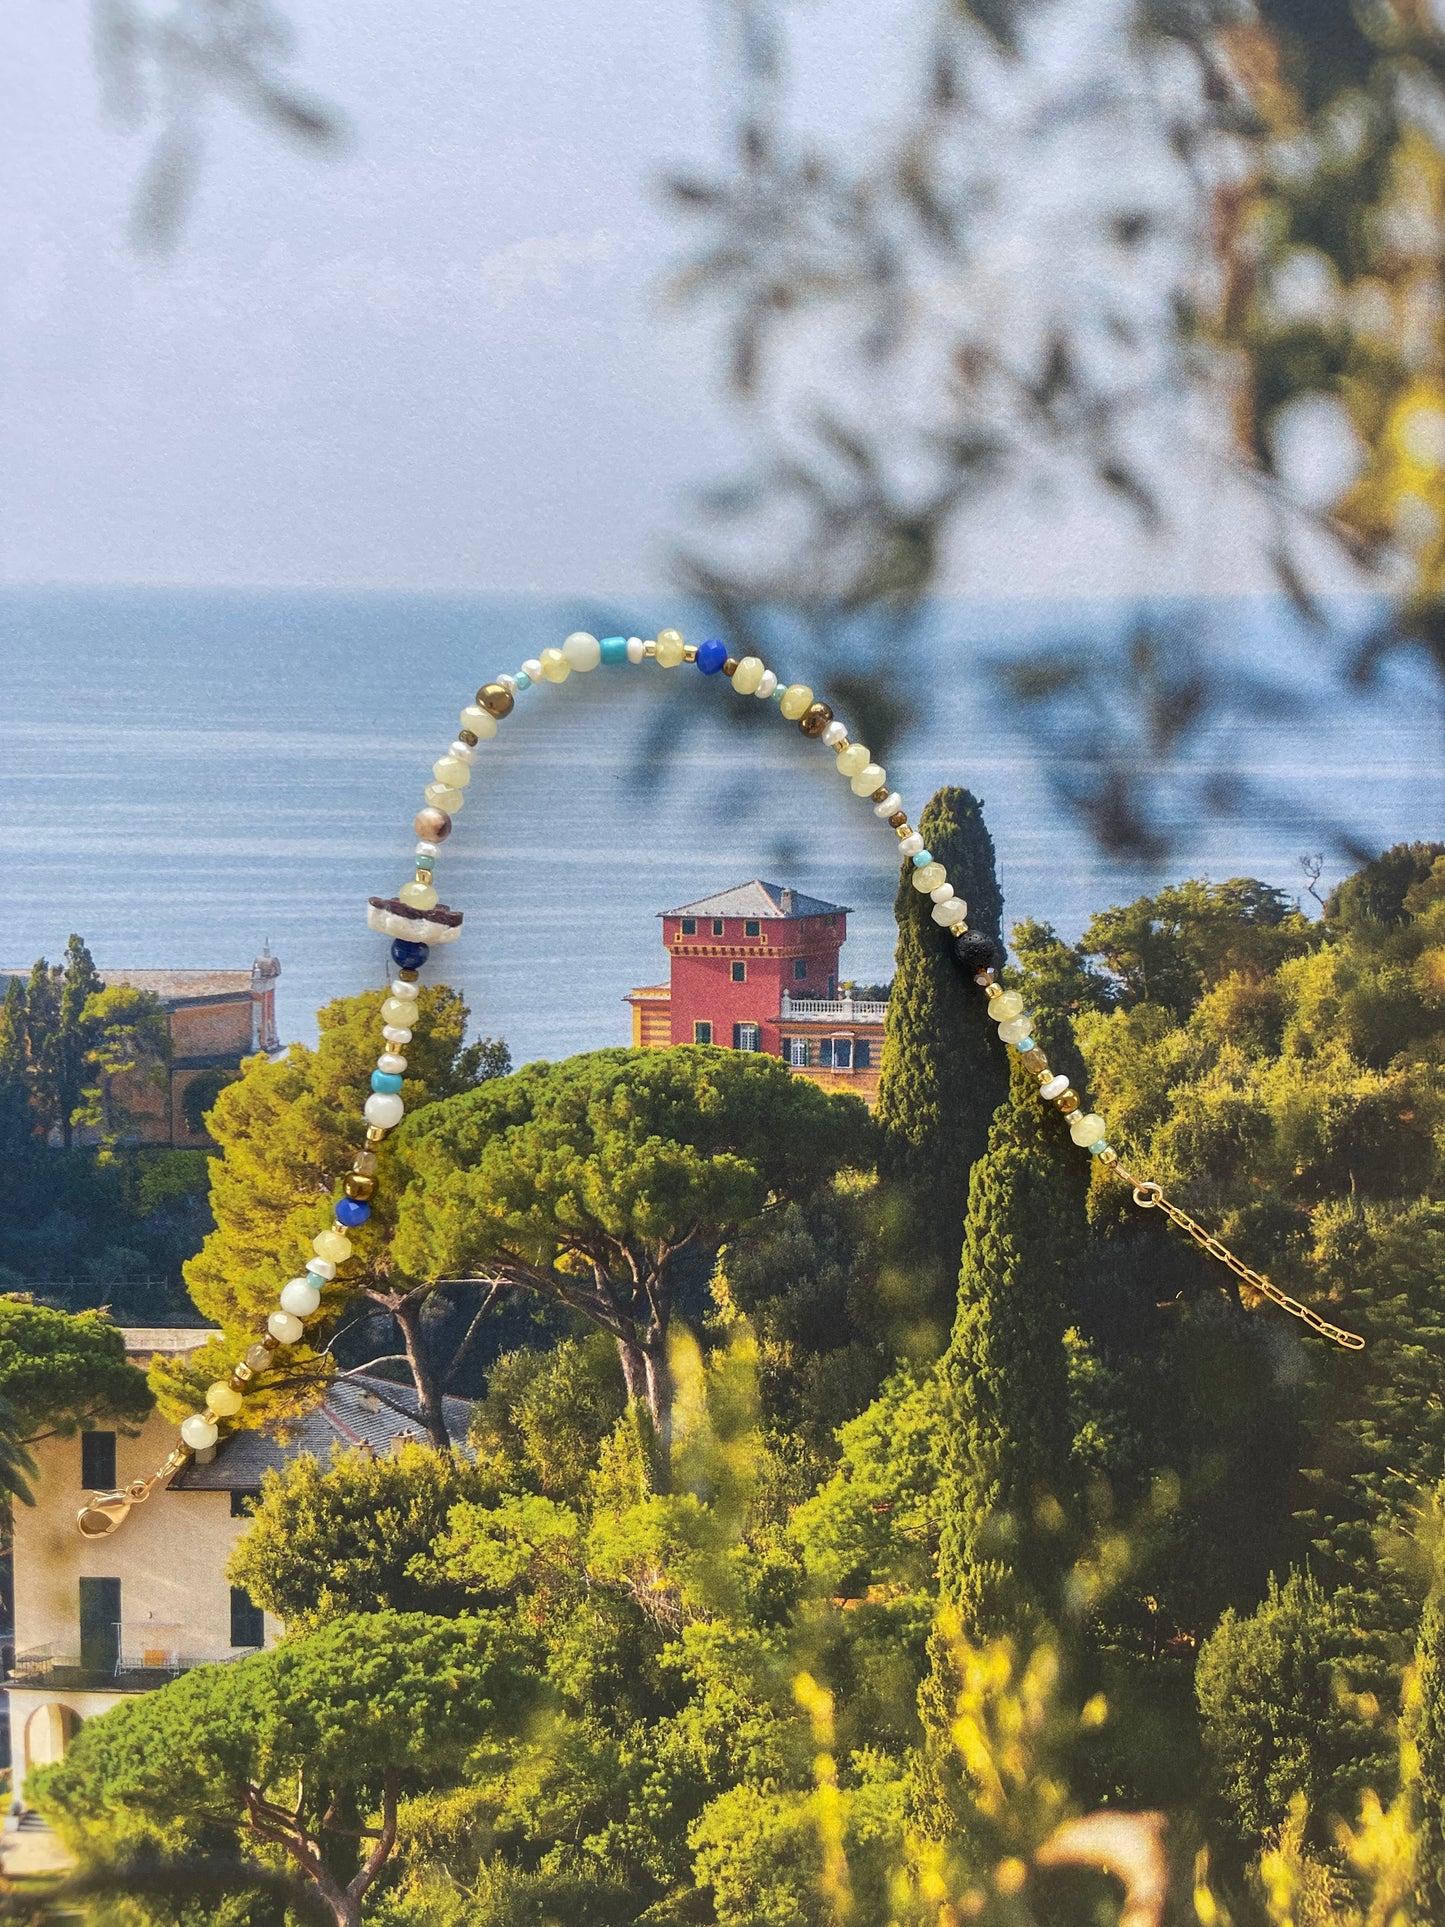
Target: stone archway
x: 48, y: 1732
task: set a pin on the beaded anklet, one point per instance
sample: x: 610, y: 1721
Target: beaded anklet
x: 416, y: 920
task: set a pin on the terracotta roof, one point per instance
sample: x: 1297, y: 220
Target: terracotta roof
x: 170, y: 985
x: 356, y: 1411
x: 758, y: 899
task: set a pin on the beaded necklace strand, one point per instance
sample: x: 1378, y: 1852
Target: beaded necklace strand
x: 416, y: 921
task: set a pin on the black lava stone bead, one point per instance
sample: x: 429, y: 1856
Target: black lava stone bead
x: 976, y: 951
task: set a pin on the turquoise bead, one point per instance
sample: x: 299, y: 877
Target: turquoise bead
x: 924, y: 856
x: 522, y: 679
x: 614, y: 648
x: 1024, y: 1043
x: 425, y: 863
x: 1100, y: 1144
x: 387, y: 1082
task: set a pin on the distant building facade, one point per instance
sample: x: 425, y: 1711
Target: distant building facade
x: 99, y: 1619
x: 216, y: 1018
x: 756, y: 968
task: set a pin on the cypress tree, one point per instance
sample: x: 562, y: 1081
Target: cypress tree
x: 17, y: 1125
x: 1004, y: 1446
x: 942, y: 1075
x: 72, y: 1036
x: 1425, y: 1730
x: 42, y: 1016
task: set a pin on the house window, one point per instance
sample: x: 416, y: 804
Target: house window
x: 717, y: 926
x: 689, y: 926
x: 746, y: 1037
x: 248, y: 1622
x: 842, y: 1053
x: 97, y: 1461
x: 797, y: 1051
x: 752, y: 928
x: 740, y: 971
x: 701, y: 1031
x: 800, y: 970
x: 862, y: 1054
x: 825, y: 1053
x: 100, y: 1625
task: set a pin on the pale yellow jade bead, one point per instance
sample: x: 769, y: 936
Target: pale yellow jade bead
x: 224, y: 1400
x: 669, y: 647
x: 420, y: 896
x: 929, y: 878
x: 852, y: 759
x: 869, y: 779
x: 399, y: 1015
x: 582, y: 651
x: 334, y: 1246
x: 555, y: 666
x: 1086, y: 1128
x: 442, y: 796
x: 748, y: 674
x: 1007, y: 1004
x: 452, y: 770
x: 795, y: 699
x: 479, y: 722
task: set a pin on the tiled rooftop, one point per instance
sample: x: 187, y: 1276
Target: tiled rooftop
x: 758, y: 899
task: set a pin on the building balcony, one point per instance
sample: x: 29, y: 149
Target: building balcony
x: 836, y: 1010
x: 146, y: 1656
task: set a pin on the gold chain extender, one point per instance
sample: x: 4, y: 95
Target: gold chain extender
x: 1149, y: 1196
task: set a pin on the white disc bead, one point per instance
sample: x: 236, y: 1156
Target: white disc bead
x: 636, y: 652
x: 394, y: 1034
x: 768, y: 686
x: 1055, y: 1087
x: 908, y: 845
x: 404, y: 992
x: 890, y: 806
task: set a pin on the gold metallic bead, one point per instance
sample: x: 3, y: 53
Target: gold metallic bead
x: 466, y: 736
x: 408, y: 976
x: 241, y: 1374
x: 496, y: 700
x: 1068, y: 1102
x: 900, y: 830
x: 649, y: 648
x: 422, y: 876
x: 270, y: 1344
x: 359, y: 1188
x: 995, y: 988
x: 730, y: 665
x: 899, y: 821
x: 1109, y: 1156
x: 689, y: 652
x: 364, y: 1164
x: 374, y: 1134
x: 878, y: 794
x: 815, y: 719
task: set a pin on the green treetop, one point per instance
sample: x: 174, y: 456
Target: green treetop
x: 308, y: 1748
x: 17, y: 1120
x: 943, y: 1075
x: 126, y: 1044
x: 63, y: 1372
x: 1168, y: 949
x: 595, y: 1181
x: 68, y: 1046
x: 287, y: 1131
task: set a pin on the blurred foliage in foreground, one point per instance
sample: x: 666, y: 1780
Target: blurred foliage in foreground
x: 1124, y: 1600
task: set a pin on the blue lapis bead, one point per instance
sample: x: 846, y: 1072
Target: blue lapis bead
x: 711, y: 656
x: 614, y: 648
x: 1024, y: 1043
x: 351, y: 1212
x: 924, y: 856
x: 407, y: 955
x: 387, y: 1082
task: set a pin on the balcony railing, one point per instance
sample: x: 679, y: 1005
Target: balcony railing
x: 855, y: 1010
x: 146, y: 1656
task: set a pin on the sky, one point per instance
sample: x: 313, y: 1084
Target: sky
x: 444, y: 358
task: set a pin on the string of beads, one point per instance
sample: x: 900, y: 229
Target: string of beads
x: 416, y: 920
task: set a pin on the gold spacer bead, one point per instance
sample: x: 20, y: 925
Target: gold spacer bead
x: 649, y: 648
x: 878, y: 794
x: 359, y: 1188
x: 1068, y: 1102
x: 241, y: 1375
x: 1111, y: 1156
x: 689, y: 652
x: 995, y: 988
x: 730, y: 665
x: 422, y: 876
x: 408, y: 976
x: 899, y: 822
x: 374, y: 1134
x: 496, y: 699
x: 466, y: 736
x: 270, y: 1344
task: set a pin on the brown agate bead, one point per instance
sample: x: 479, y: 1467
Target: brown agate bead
x: 433, y: 826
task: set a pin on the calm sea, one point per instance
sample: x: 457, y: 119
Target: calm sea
x: 189, y: 775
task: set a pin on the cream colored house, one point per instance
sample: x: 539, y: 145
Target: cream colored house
x: 97, y: 1619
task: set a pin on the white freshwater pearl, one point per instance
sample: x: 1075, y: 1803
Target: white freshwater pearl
x: 833, y: 734
x: 384, y: 1109
x: 532, y: 669
x: 950, y: 913
x: 432, y: 850
x: 942, y: 893
x: 404, y: 992
x: 1055, y: 1087
x: 869, y: 779
x: 890, y: 806
x: 509, y: 683
x: 1013, y: 1029
x: 394, y: 1034
x: 463, y: 752
x: 285, y: 1326
x: 199, y: 1432
x: 1086, y: 1127
x: 767, y: 686
x: 635, y: 650
x: 1007, y: 1004
x: 479, y: 722
x: 300, y: 1297
x: 908, y: 845
x: 929, y: 878
x: 584, y: 652
x: 392, y: 1062
x: 321, y: 1268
